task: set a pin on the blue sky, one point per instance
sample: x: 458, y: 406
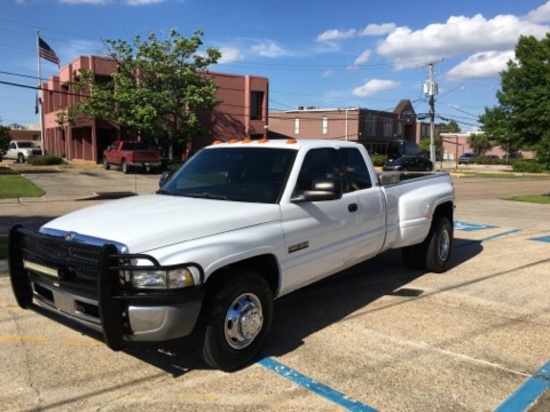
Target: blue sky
x: 349, y: 53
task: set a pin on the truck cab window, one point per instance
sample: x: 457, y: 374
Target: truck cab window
x: 319, y: 164
x: 357, y: 174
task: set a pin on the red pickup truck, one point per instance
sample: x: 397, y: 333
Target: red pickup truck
x: 131, y: 154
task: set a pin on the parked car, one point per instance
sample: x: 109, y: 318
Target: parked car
x: 466, y: 158
x: 21, y: 150
x: 131, y: 154
x: 512, y: 155
x: 409, y: 163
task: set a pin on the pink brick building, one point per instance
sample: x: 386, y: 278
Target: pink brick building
x: 243, y: 112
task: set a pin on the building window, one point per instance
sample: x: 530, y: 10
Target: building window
x: 370, y: 125
x: 325, y: 125
x: 296, y: 126
x: 256, y: 105
x: 400, y: 129
x: 388, y: 127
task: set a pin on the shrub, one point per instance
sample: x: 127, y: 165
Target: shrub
x: 378, y: 159
x: 486, y: 160
x: 528, y: 166
x: 171, y: 164
x: 46, y: 160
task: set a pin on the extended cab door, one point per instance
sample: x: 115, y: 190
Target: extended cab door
x: 323, y: 237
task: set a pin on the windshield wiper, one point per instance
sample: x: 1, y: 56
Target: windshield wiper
x: 207, y: 195
x: 163, y: 192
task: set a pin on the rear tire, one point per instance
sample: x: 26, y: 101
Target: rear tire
x: 235, y: 321
x: 434, y: 253
x: 124, y: 167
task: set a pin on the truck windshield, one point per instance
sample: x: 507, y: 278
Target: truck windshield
x: 238, y: 173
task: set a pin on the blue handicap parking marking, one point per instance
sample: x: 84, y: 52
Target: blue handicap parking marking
x: 541, y: 239
x: 529, y: 392
x: 471, y: 227
x: 315, y: 386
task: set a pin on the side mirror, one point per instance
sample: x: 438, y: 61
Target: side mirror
x: 321, y: 189
x: 164, y: 177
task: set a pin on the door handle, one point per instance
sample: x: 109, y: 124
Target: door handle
x: 352, y: 207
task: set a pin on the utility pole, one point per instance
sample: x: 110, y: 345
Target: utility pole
x: 431, y: 89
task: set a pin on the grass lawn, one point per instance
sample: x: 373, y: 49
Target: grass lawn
x: 13, y: 185
x: 540, y: 199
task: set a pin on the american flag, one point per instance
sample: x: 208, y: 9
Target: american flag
x: 46, y: 52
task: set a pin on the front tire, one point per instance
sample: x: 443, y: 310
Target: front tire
x: 434, y: 253
x: 235, y: 321
x: 21, y: 158
x: 106, y: 165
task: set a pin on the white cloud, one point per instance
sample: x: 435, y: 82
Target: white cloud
x: 374, y: 86
x: 481, y: 65
x: 363, y: 57
x: 378, y: 29
x: 459, y: 35
x: 336, y: 35
x: 268, y: 49
x: 541, y: 14
x: 230, y: 55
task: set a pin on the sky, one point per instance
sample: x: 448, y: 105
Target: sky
x: 315, y: 53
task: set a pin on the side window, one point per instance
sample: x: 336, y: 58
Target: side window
x: 318, y: 164
x: 357, y: 174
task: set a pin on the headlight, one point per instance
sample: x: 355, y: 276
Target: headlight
x: 162, y: 279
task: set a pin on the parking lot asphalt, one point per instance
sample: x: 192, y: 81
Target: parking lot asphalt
x: 376, y: 337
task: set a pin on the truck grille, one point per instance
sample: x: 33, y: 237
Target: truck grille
x: 79, y: 261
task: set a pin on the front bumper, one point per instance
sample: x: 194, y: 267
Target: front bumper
x: 83, y: 283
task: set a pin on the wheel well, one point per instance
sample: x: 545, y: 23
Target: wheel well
x: 264, y: 265
x: 444, y: 210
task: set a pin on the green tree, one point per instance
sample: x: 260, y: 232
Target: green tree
x: 522, y: 118
x: 480, y: 143
x: 451, y: 127
x: 4, y: 139
x: 160, y: 89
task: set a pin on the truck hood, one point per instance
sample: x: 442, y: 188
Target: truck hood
x: 147, y: 222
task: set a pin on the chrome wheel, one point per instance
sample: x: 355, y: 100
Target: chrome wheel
x: 243, y: 321
x: 444, y: 246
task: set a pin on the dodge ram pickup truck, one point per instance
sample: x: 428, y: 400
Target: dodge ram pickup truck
x: 237, y: 226
x: 131, y: 154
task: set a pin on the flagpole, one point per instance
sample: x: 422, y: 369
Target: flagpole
x: 40, y: 92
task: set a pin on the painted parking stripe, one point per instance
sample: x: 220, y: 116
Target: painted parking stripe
x: 541, y: 239
x: 498, y: 235
x: 314, y: 386
x: 529, y: 392
x: 471, y: 227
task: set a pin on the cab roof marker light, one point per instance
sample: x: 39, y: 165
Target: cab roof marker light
x: 217, y: 142
x: 231, y: 141
x: 248, y: 140
x: 263, y: 140
x: 291, y: 141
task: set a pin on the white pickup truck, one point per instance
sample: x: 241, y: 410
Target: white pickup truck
x: 239, y: 225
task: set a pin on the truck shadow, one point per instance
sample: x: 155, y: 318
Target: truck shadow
x: 311, y: 309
